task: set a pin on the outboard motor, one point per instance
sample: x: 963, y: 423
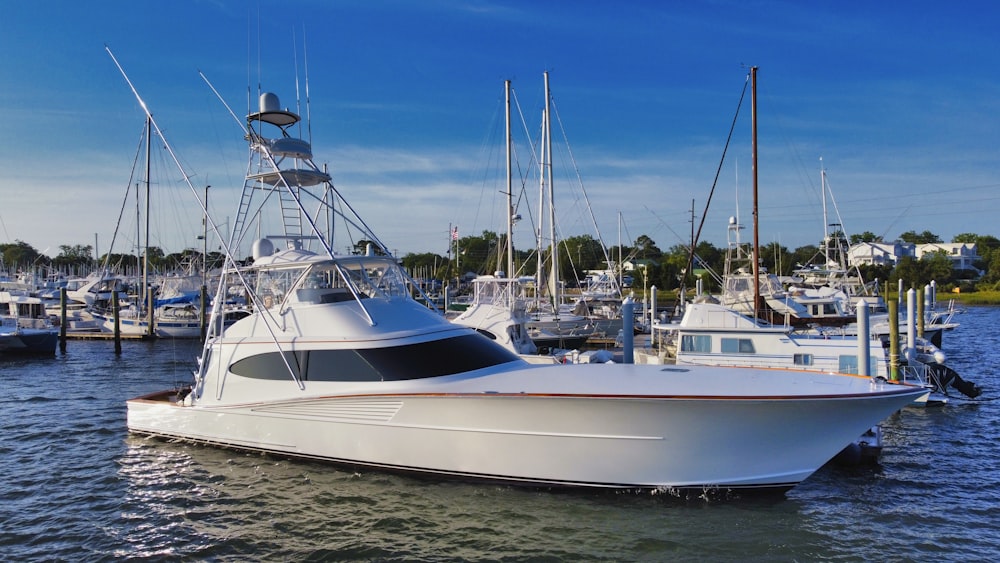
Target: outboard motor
x: 942, y: 376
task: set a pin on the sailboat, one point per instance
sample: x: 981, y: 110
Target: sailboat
x: 552, y: 324
x: 144, y: 315
x: 497, y: 307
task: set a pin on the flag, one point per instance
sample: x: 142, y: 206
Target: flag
x: 454, y: 234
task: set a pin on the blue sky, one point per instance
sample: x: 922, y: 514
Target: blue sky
x: 900, y: 100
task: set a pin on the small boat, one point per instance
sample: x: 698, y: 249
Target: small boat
x: 95, y: 290
x: 712, y: 334
x: 25, y: 327
x: 497, y: 311
x: 173, y: 318
x: 552, y: 325
x: 337, y: 362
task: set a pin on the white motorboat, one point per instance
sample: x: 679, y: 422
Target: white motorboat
x: 25, y: 328
x: 712, y: 334
x: 497, y: 311
x: 337, y: 362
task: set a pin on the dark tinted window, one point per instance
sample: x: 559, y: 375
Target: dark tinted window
x: 414, y: 361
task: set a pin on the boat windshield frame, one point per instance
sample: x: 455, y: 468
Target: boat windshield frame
x: 349, y: 278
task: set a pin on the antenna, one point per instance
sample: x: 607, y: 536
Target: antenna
x: 305, y: 61
x: 298, y: 97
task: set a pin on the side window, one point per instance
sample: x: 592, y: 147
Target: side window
x: 803, y: 359
x: 848, y: 364
x: 737, y: 346
x: 696, y: 343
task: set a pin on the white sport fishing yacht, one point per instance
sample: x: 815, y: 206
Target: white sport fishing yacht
x: 337, y: 362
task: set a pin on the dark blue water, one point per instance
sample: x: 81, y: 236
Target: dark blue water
x: 75, y: 486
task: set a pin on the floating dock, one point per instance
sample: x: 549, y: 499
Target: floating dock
x: 104, y: 336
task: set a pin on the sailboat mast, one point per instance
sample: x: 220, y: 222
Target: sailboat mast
x: 510, y: 186
x: 147, y: 295
x: 756, y: 218
x: 826, y: 221
x: 539, y: 270
x: 556, y: 298
x: 204, y: 237
x: 620, y: 263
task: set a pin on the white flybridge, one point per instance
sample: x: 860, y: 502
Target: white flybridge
x: 337, y: 362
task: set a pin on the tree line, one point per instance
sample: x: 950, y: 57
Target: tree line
x: 667, y: 269
x: 78, y: 260
x: 483, y: 253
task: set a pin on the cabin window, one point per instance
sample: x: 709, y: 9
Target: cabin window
x: 737, y: 346
x: 803, y: 359
x: 829, y: 309
x: 413, y: 361
x: 696, y: 343
x: 848, y: 364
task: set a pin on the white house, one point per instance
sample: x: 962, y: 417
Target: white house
x: 879, y: 253
x: 962, y: 255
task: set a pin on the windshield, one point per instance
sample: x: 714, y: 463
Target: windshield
x: 375, y: 277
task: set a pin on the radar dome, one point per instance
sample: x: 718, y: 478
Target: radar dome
x: 262, y: 247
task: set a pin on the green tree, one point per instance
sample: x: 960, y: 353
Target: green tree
x: 988, y: 248
x: 579, y: 254
x: 803, y: 255
x: 907, y: 269
x: 937, y: 266
x: 872, y: 272
x: 673, y: 266
x: 156, y: 257
x: 866, y: 236
x: 646, y: 248
x: 77, y: 257
x: 215, y: 260
x: 992, y: 276
x: 477, y: 253
x: 121, y: 262
x: 925, y: 237
x: 19, y: 254
x: 776, y: 259
x: 75, y: 260
x: 426, y: 264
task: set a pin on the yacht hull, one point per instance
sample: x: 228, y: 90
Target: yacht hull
x: 678, y: 438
